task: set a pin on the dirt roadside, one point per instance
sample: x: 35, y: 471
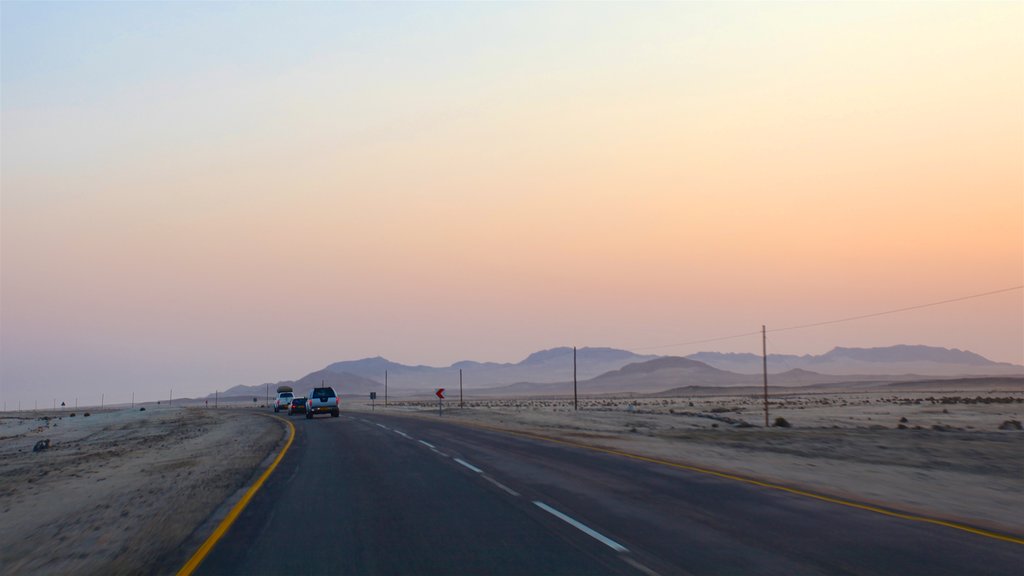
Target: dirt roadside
x: 118, y: 491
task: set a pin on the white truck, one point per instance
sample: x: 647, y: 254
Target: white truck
x: 284, y: 398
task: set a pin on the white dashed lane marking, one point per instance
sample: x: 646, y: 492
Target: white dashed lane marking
x: 582, y: 527
x: 468, y: 465
x: 510, y: 491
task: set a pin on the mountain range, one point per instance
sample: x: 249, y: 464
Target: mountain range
x: 609, y: 370
x: 887, y: 361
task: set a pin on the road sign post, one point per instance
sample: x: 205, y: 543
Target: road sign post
x: 440, y: 400
x: 373, y: 396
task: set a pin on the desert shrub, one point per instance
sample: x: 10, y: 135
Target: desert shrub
x: 781, y: 422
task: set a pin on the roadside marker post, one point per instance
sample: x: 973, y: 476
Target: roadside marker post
x: 440, y: 400
x: 373, y: 396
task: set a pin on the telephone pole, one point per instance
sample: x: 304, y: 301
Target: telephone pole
x: 764, y: 364
x: 575, y: 398
x: 461, y: 404
x: 385, y: 388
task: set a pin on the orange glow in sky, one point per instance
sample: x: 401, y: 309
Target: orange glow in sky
x: 203, y: 195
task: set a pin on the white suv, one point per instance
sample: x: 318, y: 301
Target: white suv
x: 284, y: 400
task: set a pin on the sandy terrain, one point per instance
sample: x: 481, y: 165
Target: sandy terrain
x: 121, y: 490
x: 950, y: 461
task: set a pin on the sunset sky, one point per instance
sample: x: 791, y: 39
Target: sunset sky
x: 199, y: 195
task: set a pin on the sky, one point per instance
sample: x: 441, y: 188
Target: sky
x: 200, y: 195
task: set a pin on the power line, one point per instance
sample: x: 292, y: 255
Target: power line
x: 838, y: 320
x: 701, y: 341
x: 907, y: 309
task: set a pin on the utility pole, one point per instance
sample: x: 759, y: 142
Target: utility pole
x: 133, y: 401
x: 170, y: 397
x: 461, y: 405
x: 268, y: 393
x: 385, y: 388
x: 101, y: 401
x: 575, y: 398
x: 216, y: 397
x: 764, y: 361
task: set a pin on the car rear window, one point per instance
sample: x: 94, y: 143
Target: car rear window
x: 321, y: 393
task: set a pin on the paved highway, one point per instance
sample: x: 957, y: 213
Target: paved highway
x: 377, y: 494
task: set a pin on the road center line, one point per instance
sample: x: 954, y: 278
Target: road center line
x: 402, y: 434
x: 640, y: 566
x: 582, y: 527
x: 428, y: 445
x: 468, y: 465
x: 383, y: 426
x: 510, y: 491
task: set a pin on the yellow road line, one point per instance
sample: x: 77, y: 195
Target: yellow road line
x: 222, y: 528
x: 831, y: 499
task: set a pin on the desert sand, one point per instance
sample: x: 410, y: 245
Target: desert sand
x: 124, y: 491
x: 121, y: 491
x: 948, y: 459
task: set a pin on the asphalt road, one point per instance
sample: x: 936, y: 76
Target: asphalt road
x: 377, y: 494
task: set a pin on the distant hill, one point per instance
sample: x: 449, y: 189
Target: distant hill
x: 662, y: 373
x: 653, y: 376
x: 545, y: 366
x: 966, y: 385
x: 888, y: 361
x: 610, y: 370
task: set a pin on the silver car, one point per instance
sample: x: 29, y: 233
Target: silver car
x: 323, y: 400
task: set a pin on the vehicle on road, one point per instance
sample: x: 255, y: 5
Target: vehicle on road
x: 323, y: 400
x: 283, y: 401
x: 298, y: 405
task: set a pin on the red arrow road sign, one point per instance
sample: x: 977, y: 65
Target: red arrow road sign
x: 440, y: 393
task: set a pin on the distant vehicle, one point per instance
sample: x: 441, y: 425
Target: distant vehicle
x: 323, y: 400
x: 298, y: 405
x: 283, y: 401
